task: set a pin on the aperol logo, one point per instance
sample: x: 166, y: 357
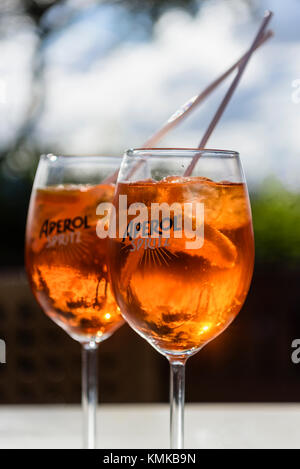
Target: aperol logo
x: 63, y: 231
x: 61, y: 226
x: 152, y: 227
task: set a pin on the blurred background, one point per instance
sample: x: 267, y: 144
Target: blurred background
x: 92, y: 76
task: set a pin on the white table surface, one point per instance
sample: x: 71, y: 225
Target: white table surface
x: 146, y: 426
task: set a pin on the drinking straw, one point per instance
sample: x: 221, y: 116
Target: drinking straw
x: 241, y: 67
x: 186, y: 109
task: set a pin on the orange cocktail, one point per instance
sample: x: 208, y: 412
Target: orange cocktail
x: 67, y: 262
x: 179, y: 298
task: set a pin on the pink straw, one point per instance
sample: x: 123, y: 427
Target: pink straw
x: 226, y: 99
x: 186, y: 109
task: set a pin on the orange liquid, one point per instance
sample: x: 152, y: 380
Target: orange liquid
x: 178, y: 298
x: 67, y: 263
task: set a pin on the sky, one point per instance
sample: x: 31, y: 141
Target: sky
x: 109, y: 86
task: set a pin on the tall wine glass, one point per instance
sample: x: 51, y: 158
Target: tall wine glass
x: 67, y: 263
x: 180, y: 289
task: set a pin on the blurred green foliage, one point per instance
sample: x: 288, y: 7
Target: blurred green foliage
x: 154, y: 8
x: 276, y: 221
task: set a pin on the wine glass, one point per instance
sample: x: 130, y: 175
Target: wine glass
x: 67, y: 263
x: 182, y: 259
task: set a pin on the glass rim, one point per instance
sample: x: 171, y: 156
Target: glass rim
x: 52, y: 157
x: 142, y: 152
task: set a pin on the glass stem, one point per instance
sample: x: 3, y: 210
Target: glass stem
x: 177, y: 384
x: 89, y: 393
